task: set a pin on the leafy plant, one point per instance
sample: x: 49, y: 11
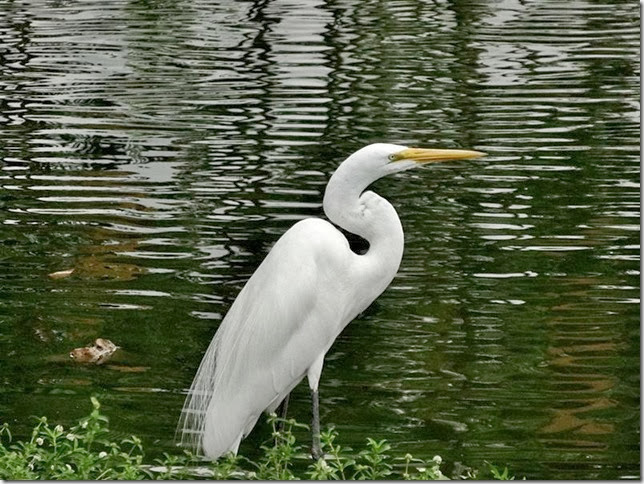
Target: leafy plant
x: 81, y: 452
x: 499, y: 475
x: 337, y: 461
x: 86, y: 451
x: 279, y: 457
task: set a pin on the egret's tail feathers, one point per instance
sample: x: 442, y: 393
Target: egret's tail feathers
x: 226, y: 424
x: 212, y: 423
x: 193, y: 416
x: 190, y: 411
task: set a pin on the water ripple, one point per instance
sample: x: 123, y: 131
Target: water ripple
x: 160, y: 149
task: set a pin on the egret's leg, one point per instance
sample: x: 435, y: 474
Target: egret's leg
x: 281, y: 413
x: 315, y: 370
x: 283, y: 408
x: 316, y: 450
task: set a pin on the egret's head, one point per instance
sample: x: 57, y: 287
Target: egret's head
x: 381, y: 159
x: 349, y: 182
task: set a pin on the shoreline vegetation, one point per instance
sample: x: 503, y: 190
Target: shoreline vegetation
x: 88, y: 451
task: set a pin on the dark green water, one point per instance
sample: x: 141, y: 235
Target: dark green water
x: 161, y: 147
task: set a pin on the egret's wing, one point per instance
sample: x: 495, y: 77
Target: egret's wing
x: 284, y: 317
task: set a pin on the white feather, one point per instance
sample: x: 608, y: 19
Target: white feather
x: 309, y: 287
x: 289, y: 312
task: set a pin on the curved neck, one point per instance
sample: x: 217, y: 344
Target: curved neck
x: 342, y: 201
x: 373, y: 218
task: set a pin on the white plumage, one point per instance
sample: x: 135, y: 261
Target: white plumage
x: 307, y: 289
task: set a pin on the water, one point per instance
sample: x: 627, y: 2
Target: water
x: 160, y: 149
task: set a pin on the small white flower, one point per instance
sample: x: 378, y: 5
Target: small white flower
x: 59, y: 428
x: 30, y: 466
x: 40, y: 441
x: 71, y: 437
x: 437, y: 459
x: 84, y: 424
x: 102, y: 454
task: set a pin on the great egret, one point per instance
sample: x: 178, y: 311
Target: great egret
x: 307, y: 289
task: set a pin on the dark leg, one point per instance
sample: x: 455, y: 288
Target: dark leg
x: 281, y: 413
x: 316, y: 451
x: 283, y: 408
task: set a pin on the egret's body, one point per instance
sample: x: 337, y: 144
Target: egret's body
x: 291, y: 310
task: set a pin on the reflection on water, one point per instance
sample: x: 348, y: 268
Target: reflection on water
x: 159, y: 149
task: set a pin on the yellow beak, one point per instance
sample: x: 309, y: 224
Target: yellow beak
x: 422, y: 155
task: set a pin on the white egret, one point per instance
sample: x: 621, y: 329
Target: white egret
x: 307, y: 289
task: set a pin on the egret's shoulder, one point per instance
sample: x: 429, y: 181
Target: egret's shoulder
x: 311, y: 235
x: 314, y: 225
